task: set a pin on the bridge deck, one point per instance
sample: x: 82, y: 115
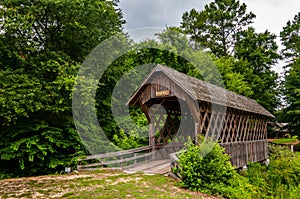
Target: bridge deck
x: 152, y: 167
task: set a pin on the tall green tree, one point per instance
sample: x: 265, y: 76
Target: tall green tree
x: 291, y: 113
x: 223, y: 28
x: 43, y: 43
x: 259, y: 50
x: 215, y: 27
x: 290, y: 37
x: 291, y: 40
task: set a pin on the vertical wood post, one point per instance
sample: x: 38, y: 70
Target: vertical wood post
x: 135, y: 160
x: 121, y: 158
x: 152, y: 137
x: 196, y: 131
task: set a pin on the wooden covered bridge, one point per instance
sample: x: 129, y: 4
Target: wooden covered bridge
x: 179, y: 106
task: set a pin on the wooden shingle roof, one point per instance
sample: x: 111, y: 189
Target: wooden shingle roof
x: 203, y: 91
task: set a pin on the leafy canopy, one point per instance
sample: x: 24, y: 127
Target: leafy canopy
x: 215, y: 27
x: 43, y: 43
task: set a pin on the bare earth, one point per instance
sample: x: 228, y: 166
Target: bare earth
x: 82, y: 184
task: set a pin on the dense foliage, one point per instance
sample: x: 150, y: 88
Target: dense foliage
x: 42, y: 45
x: 280, y: 179
x: 44, y: 42
x: 223, y: 28
x: 217, y: 26
x: 259, y: 52
x: 290, y: 37
x: 213, y: 173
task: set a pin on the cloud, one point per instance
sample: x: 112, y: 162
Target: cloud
x: 156, y: 13
x: 272, y: 15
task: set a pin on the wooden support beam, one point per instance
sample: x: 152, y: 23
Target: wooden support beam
x: 225, y: 129
x: 196, y: 131
x: 152, y: 136
x: 230, y: 126
x: 145, y: 110
x: 193, y: 107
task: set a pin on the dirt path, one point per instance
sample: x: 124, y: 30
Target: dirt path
x: 92, y: 185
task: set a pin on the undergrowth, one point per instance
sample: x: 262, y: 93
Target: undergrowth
x: 211, y: 172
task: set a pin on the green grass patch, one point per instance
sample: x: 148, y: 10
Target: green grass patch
x: 284, y: 141
x: 68, y: 194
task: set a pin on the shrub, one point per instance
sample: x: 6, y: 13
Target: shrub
x: 212, y: 173
x: 277, y: 151
x: 257, y: 176
x: 280, y: 179
x: 284, y: 176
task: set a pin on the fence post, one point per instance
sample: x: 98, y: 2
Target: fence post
x: 121, y: 158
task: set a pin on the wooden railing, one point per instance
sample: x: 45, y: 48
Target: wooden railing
x: 128, y: 158
x: 119, y: 159
x: 242, y: 153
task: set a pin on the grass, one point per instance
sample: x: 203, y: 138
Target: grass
x: 285, y: 141
x: 99, y: 184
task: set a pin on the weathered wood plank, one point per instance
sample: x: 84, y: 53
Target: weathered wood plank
x: 115, y: 161
x: 154, y: 167
x: 118, y: 153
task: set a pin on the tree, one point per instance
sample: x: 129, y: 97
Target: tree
x: 222, y: 29
x: 292, y: 97
x: 74, y: 28
x: 259, y: 50
x: 233, y: 81
x: 215, y: 27
x: 42, y: 46
x: 290, y: 37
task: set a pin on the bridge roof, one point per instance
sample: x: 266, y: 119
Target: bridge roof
x: 203, y: 91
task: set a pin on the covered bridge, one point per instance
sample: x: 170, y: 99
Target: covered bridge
x: 179, y: 106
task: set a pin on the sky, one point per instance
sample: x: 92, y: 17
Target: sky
x: 146, y: 16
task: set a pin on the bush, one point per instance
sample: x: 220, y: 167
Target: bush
x: 212, y: 173
x: 284, y: 176
x: 280, y: 179
x: 277, y: 151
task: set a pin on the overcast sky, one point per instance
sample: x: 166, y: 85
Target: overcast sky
x: 271, y: 15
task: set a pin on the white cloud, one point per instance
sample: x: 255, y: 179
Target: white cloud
x: 272, y: 15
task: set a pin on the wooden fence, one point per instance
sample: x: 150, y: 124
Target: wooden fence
x: 115, y: 159
x: 242, y: 153
x: 128, y: 158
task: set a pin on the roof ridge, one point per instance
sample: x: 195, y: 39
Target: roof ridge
x: 208, y: 83
x: 210, y: 86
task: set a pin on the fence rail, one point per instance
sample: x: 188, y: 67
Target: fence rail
x: 128, y: 158
x: 119, y: 158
